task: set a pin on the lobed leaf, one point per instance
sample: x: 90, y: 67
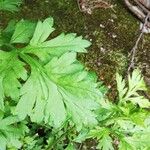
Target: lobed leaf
x: 130, y: 93
x: 11, y: 69
x: 51, y: 95
x: 54, y: 47
x: 105, y: 142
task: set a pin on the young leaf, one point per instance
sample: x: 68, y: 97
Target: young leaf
x: 135, y: 84
x: 121, y: 86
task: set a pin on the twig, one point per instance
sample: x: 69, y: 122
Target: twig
x: 142, y: 6
x: 79, y: 6
x: 134, y: 49
x: 138, y: 10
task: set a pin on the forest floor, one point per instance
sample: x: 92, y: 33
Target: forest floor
x: 113, y: 33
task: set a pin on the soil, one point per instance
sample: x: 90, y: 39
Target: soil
x: 112, y: 31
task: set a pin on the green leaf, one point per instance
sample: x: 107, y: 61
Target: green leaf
x: 61, y: 44
x: 121, y: 86
x: 1, y: 94
x: 136, y: 81
x: 7, y: 33
x: 11, y: 69
x: 135, y: 84
x: 10, y: 133
x: 10, y: 27
x: 8, y: 121
x: 141, y: 101
x: 125, y: 146
x: 139, y: 117
x: 10, y: 5
x: 42, y: 31
x: 105, y: 142
x: 43, y: 94
x: 134, y: 136
x: 51, y: 94
x: 137, y: 141
x: 82, y: 136
x: 57, y: 46
x: 23, y: 32
x: 70, y: 147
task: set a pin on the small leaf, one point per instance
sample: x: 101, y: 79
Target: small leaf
x: 121, y: 86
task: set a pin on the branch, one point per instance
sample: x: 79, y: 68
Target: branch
x: 134, y: 49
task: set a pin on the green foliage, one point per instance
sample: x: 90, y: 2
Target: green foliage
x: 42, y: 78
x: 11, y: 131
x: 49, y: 100
x: 10, y: 5
x: 130, y: 93
x: 125, y: 125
